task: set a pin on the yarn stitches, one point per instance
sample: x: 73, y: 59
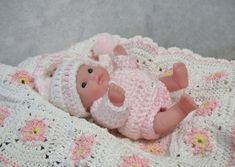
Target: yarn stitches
x: 35, y: 133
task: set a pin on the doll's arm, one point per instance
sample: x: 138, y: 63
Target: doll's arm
x: 108, y: 115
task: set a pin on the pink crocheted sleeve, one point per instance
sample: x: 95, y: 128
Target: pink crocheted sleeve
x: 124, y: 61
x: 108, y: 115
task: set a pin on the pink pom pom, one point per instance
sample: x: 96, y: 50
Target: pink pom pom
x: 104, y: 44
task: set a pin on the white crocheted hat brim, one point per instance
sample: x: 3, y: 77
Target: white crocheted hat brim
x: 63, y: 91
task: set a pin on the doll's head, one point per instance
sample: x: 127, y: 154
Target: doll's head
x: 76, y: 84
x: 92, y: 83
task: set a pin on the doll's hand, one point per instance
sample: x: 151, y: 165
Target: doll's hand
x: 116, y: 95
x: 94, y: 56
x: 119, y: 50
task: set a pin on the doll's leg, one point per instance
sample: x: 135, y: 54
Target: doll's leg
x: 165, y: 122
x: 178, y: 80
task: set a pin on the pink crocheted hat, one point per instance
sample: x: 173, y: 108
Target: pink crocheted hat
x: 63, y: 91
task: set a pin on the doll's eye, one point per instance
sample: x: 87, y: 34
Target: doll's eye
x: 83, y: 85
x: 90, y: 70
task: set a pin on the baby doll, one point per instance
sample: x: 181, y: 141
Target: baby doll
x: 128, y: 99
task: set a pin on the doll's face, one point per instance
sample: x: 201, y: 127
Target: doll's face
x: 92, y: 83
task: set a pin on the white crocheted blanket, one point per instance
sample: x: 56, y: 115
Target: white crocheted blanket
x: 35, y: 133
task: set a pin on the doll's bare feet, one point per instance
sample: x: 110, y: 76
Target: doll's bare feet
x: 187, y: 104
x: 165, y: 122
x: 119, y: 50
x: 180, y: 75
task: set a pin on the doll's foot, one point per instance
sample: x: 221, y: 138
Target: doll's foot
x: 119, y: 50
x: 187, y: 104
x: 180, y: 75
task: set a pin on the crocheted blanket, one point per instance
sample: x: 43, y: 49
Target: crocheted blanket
x: 36, y: 133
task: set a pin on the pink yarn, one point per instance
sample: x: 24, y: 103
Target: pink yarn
x: 144, y: 96
x: 104, y: 44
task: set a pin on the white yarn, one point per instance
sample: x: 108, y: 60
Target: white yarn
x: 211, y: 84
x: 63, y: 89
x: 61, y: 132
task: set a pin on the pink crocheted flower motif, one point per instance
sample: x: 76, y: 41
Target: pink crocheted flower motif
x: 154, y: 148
x: 4, y: 113
x: 207, y: 108
x: 215, y: 76
x: 199, y: 140
x: 34, y: 130
x: 82, y: 148
x: 134, y: 161
x: 23, y: 77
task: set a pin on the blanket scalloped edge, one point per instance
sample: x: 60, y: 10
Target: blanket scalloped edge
x: 35, y: 133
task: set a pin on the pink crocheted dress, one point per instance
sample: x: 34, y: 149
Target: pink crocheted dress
x: 145, y: 95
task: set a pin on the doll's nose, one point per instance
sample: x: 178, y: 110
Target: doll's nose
x: 94, y: 78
